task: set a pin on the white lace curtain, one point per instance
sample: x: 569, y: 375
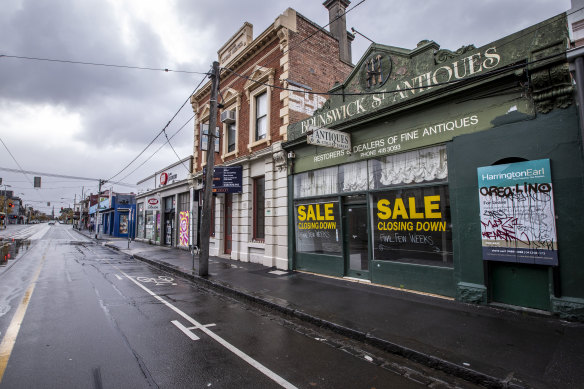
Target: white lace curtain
x: 418, y: 166
x: 429, y: 164
x: 354, y: 177
x: 316, y: 183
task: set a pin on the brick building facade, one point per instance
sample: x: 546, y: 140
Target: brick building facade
x: 263, y: 88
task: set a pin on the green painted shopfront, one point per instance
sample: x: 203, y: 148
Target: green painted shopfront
x: 455, y: 173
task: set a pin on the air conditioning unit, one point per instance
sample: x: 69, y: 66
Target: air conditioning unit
x: 228, y: 116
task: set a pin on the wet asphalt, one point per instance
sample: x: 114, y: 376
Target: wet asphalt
x: 484, y: 344
x: 98, y: 318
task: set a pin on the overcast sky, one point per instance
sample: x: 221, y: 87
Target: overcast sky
x: 91, y: 121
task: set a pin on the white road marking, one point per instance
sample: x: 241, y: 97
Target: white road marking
x: 13, y: 329
x: 185, y: 330
x: 119, y: 277
x: 267, y: 372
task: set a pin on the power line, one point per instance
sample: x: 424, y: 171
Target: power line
x: 290, y: 48
x: 404, y: 89
x: 166, y: 70
x: 175, y: 153
x: 60, y: 176
x: 157, y: 150
x: 479, y: 76
x: 161, y: 131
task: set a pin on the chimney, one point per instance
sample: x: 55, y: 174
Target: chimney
x: 338, y: 27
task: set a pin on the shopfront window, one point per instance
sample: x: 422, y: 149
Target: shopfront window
x: 318, y: 227
x: 353, y: 177
x: 414, y: 167
x: 316, y: 183
x: 412, y: 225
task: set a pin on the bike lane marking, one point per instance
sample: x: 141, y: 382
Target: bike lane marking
x: 12, y: 332
x: 257, y: 365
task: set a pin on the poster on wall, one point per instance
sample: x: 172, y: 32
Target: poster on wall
x: 518, y: 221
x: 183, y: 234
x: 123, y: 224
x: 412, y: 225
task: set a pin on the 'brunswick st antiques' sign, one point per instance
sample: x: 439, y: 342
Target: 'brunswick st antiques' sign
x: 329, y: 138
x: 389, y: 77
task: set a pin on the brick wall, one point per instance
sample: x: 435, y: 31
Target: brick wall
x: 315, y: 61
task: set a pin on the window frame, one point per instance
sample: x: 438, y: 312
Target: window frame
x: 253, y: 89
x: 259, y: 230
x: 257, y: 118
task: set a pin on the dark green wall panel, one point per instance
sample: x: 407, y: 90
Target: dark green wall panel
x: 430, y: 279
x: 554, y: 136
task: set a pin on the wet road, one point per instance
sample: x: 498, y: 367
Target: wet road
x: 74, y: 314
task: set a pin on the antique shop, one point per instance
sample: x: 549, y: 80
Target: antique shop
x: 455, y: 173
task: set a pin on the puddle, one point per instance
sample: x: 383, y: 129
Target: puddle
x: 11, y: 249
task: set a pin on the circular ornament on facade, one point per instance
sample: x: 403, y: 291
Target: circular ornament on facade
x: 163, y: 178
x: 375, y: 71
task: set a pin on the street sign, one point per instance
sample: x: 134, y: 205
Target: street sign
x: 227, y: 179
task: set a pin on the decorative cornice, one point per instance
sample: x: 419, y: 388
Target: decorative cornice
x: 444, y: 55
x: 552, y: 88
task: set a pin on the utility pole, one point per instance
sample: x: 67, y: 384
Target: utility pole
x: 207, y: 197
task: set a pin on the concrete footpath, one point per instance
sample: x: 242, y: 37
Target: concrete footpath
x: 490, y: 346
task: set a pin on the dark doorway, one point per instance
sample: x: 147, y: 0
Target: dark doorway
x: 228, y: 222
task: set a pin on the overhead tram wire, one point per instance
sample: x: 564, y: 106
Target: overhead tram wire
x: 404, y: 89
x: 290, y: 48
x: 158, y: 149
x: 506, y: 68
x: 166, y: 70
x: 160, y: 133
x: 50, y: 174
x: 175, y: 153
x: 21, y: 170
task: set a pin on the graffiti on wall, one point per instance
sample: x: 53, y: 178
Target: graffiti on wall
x: 183, y: 237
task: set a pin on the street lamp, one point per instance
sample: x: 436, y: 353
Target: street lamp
x: 5, y: 202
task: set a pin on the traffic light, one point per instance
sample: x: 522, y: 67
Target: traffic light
x: 10, y: 205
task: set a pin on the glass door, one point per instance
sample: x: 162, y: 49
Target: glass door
x: 356, y: 238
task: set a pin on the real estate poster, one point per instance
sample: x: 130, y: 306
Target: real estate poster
x: 517, y: 213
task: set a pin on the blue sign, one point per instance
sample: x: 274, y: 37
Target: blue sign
x: 518, y: 221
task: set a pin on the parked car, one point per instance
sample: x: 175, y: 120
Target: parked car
x: 51, y: 222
